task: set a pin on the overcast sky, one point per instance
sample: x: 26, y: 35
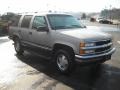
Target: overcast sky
x: 58, y: 5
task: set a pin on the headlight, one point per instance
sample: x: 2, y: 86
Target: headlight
x: 89, y: 44
x: 89, y: 51
x: 83, y: 44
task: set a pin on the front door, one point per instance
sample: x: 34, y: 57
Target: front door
x: 40, y: 38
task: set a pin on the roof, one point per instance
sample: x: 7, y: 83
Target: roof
x: 43, y: 13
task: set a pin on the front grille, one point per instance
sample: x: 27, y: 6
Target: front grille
x: 100, y: 47
x: 103, y: 49
x: 103, y: 42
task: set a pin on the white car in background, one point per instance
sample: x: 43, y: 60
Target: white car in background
x: 99, y: 19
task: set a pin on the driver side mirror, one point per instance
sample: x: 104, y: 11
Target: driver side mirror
x: 42, y: 28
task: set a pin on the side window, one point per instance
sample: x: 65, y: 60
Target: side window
x: 15, y: 20
x: 38, y: 21
x: 26, y: 21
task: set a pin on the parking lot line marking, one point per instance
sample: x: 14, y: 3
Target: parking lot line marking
x: 118, y: 42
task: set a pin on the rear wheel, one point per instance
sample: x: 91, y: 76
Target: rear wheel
x: 64, y: 61
x: 17, y: 46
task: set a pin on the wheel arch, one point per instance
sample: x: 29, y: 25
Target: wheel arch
x: 58, y: 46
x: 15, y: 36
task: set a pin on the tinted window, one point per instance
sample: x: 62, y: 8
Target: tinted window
x: 26, y: 21
x: 64, y: 22
x: 15, y: 20
x: 38, y: 21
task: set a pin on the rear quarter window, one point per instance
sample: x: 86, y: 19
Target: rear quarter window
x: 15, y: 20
x: 26, y: 21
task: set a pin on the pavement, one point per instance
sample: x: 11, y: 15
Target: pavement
x: 31, y: 72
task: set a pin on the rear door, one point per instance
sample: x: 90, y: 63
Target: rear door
x: 25, y: 27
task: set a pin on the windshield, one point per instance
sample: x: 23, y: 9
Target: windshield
x: 64, y: 22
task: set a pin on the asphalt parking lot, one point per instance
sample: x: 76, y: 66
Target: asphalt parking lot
x: 31, y: 72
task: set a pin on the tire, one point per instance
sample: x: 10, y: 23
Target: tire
x: 65, y: 62
x: 17, y: 45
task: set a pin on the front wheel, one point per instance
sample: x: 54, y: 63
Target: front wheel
x: 64, y: 61
x: 17, y: 46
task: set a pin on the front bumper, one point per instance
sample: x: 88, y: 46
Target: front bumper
x: 94, y: 58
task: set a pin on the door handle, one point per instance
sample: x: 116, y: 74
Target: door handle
x: 30, y: 33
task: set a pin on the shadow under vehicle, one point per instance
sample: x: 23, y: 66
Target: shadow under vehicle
x: 83, y: 78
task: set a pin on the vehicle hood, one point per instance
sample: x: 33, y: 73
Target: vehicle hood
x: 86, y: 33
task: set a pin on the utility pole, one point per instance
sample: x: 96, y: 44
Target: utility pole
x: 105, y: 12
x: 110, y: 11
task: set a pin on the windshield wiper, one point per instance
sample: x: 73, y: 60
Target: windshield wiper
x: 67, y: 27
x: 79, y: 26
x: 60, y: 27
